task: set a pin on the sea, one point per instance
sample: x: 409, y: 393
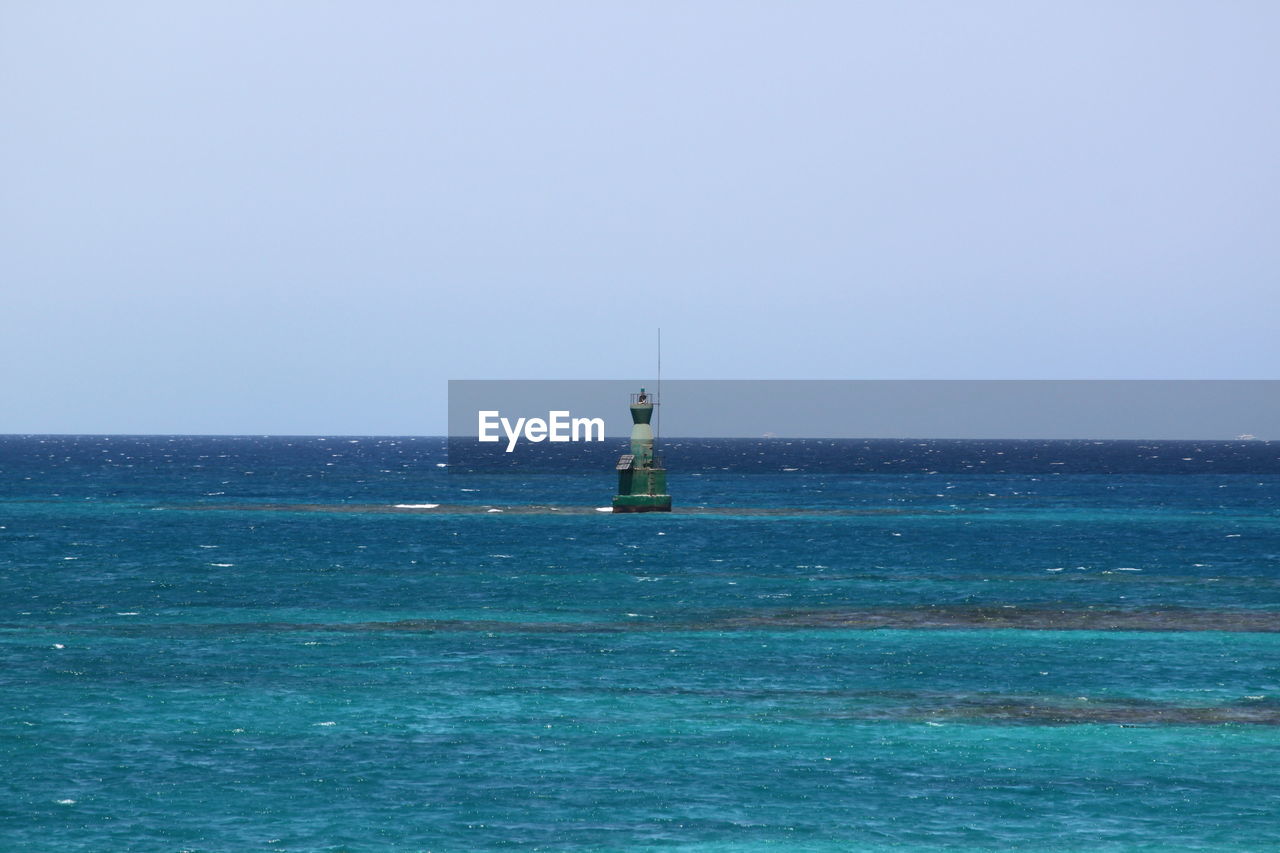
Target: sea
x: 340, y: 644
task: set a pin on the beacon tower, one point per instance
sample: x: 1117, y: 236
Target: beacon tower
x: 642, y: 481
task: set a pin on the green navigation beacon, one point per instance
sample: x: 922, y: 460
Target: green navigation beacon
x: 642, y: 481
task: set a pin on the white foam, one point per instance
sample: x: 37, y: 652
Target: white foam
x: 66, y: 802
x: 128, y: 613
x: 326, y: 723
x: 493, y: 510
x: 416, y: 506
x: 223, y: 565
x: 604, y: 509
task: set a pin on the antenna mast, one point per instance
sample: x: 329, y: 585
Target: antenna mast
x: 657, y: 427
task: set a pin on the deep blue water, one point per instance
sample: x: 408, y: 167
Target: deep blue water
x: 224, y: 644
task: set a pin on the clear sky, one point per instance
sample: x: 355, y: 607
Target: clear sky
x: 305, y: 217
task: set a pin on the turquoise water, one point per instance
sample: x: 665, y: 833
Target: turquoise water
x: 234, y: 644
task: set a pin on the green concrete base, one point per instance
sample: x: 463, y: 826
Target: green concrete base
x: 642, y: 503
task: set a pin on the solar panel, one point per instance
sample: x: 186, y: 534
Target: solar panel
x: 625, y: 461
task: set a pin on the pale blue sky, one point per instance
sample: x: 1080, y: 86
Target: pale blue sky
x: 304, y: 217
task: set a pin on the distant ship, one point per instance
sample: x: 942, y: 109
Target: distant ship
x: 1246, y: 436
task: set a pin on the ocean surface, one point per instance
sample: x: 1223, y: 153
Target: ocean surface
x: 226, y: 644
